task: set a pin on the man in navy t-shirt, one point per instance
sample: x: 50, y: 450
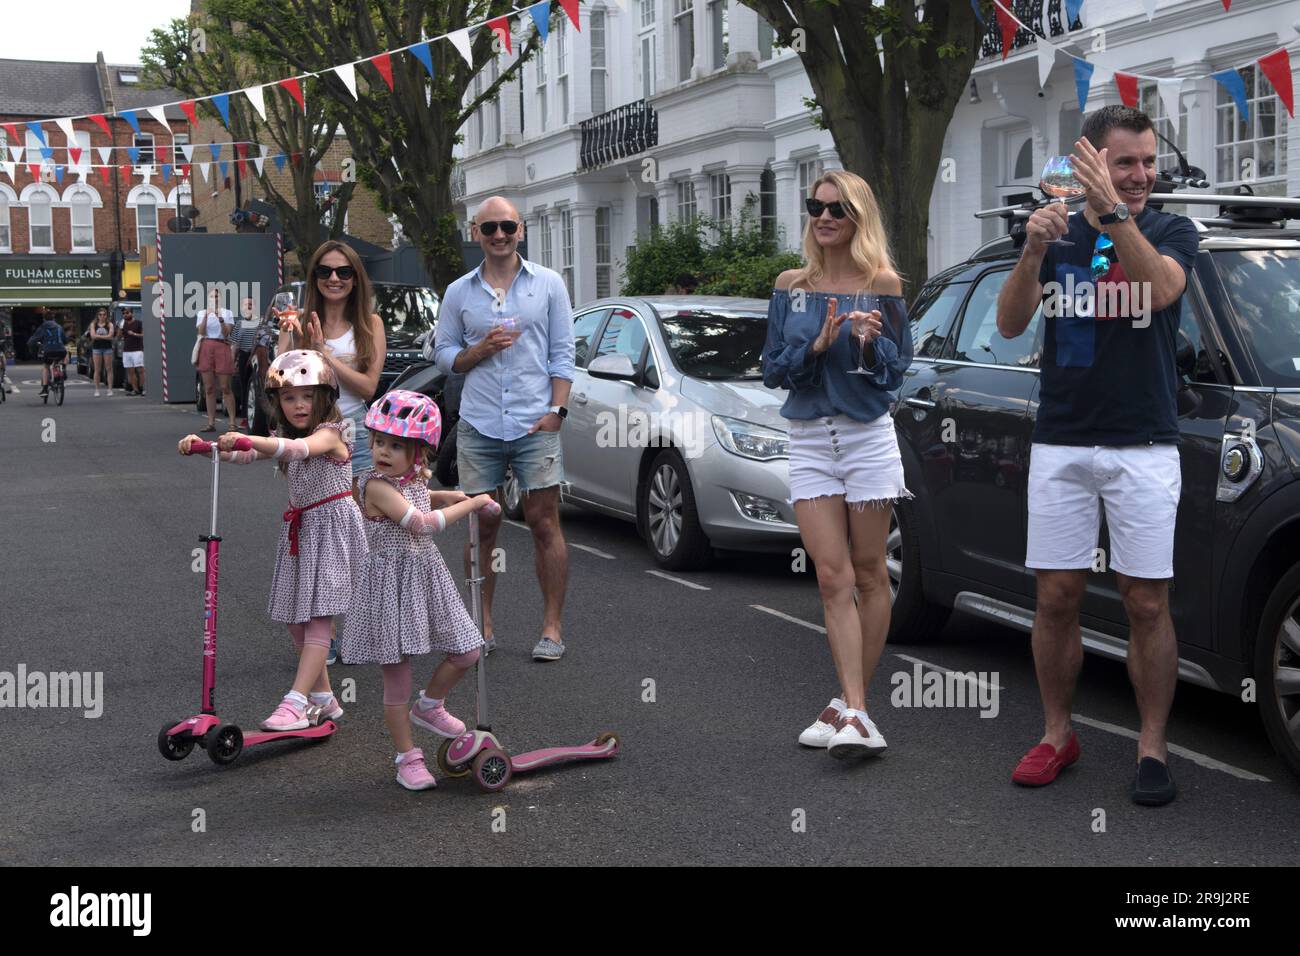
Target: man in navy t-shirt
x: 1107, y: 428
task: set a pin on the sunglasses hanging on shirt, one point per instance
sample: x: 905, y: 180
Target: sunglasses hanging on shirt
x: 1103, y: 256
x: 489, y: 228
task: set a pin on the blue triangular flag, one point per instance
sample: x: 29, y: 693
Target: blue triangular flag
x: 167, y: 171
x: 1072, y: 8
x: 225, y: 168
x: 58, y: 174
x: 1236, y: 86
x: 279, y: 162
x: 134, y: 153
x: 216, y: 151
x: 1082, y: 78
x: 541, y: 13
x: 129, y: 116
x: 975, y: 5
x: 37, y: 132
x: 47, y: 152
x: 222, y: 101
x: 421, y: 52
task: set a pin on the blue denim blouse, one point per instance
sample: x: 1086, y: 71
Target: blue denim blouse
x: 820, y: 386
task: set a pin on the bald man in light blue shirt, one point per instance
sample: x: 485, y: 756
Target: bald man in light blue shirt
x: 508, y: 326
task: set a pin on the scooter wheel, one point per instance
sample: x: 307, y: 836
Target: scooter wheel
x: 450, y: 769
x: 225, y: 744
x: 174, y: 748
x: 492, y: 769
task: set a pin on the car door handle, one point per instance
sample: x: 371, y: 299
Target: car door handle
x: 919, y: 402
x: 580, y: 398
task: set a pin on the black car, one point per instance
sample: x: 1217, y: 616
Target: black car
x: 409, y: 314
x: 965, y: 416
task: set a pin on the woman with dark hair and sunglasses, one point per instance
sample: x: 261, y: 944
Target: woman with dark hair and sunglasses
x: 839, y: 343
x: 341, y: 325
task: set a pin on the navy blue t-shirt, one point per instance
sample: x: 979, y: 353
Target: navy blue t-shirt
x: 1106, y: 379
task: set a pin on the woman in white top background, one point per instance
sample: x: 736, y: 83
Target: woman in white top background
x: 340, y: 324
x: 213, y: 326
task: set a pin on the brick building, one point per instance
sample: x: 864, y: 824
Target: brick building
x: 73, y: 244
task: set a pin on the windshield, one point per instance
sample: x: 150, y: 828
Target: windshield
x: 716, y: 345
x: 1264, y: 287
x: 407, y: 311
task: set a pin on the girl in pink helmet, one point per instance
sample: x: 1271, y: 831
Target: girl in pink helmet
x: 405, y: 600
x: 322, y: 543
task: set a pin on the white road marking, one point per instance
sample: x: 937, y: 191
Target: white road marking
x: 588, y: 548
x: 1196, y: 758
x: 786, y: 617
x: 968, y: 676
x: 689, y: 584
x: 517, y: 524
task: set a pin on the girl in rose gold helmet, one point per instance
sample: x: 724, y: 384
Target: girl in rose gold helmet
x: 322, y: 542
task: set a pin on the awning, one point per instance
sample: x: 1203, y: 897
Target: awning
x: 61, y: 297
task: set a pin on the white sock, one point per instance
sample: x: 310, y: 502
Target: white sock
x: 296, y: 697
x: 400, y: 757
x: 321, y: 696
x: 429, y: 703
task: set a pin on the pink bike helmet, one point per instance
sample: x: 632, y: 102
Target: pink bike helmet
x: 406, y: 414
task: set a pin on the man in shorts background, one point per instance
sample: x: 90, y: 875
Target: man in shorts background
x: 133, y: 352
x: 508, y: 326
x: 1106, y: 431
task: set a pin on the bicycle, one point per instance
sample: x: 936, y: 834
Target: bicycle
x: 58, y: 374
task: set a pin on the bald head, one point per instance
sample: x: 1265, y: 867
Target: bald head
x: 496, y: 207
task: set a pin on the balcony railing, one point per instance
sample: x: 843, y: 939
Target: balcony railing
x: 618, y: 133
x: 457, y: 182
x: 1031, y: 13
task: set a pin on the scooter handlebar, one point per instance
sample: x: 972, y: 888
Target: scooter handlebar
x: 201, y: 447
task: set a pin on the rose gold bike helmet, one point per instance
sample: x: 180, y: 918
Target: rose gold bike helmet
x: 301, y: 367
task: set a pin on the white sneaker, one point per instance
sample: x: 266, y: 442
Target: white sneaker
x: 110, y: 393
x: 825, y: 726
x: 97, y: 393
x: 857, y: 737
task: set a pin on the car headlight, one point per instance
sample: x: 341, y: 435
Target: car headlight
x: 749, y: 440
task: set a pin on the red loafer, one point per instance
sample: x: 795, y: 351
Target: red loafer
x: 1040, y: 766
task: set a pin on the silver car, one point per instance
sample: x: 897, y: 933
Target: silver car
x: 670, y: 426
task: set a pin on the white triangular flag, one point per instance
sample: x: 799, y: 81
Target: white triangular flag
x: 257, y: 97
x: 348, y: 74
x: 8, y: 170
x: 65, y: 124
x: 460, y: 40
x: 1169, y: 96
x: 144, y: 172
x: 187, y: 150
x: 1046, y: 58
x: 260, y: 161
x: 105, y: 155
x: 16, y: 152
x: 159, y: 113
x: 203, y: 170
x: 1151, y: 8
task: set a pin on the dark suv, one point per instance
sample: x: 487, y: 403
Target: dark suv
x: 409, y: 314
x: 965, y: 416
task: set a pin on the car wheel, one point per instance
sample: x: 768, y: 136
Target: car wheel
x: 668, y: 514
x: 512, y: 499
x: 912, y: 619
x: 1277, y: 668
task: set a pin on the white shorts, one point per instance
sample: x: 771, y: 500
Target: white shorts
x: 841, y: 456
x: 133, y: 359
x: 1139, y: 486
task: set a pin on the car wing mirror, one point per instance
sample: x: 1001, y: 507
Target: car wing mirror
x: 613, y: 366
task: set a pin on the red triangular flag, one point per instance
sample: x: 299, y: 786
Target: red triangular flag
x: 295, y: 90
x: 297, y: 158
x: 12, y: 130
x: 185, y: 170
x: 1128, y: 89
x: 501, y: 27
x: 384, y: 64
x: 35, y: 170
x: 74, y: 153
x: 1277, y: 67
x: 1227, y: 4
x: 106, y: 174
x: 126, y: 174
x: 1008, y: 25
x: 187, y: 107
x: 571, y: 8
x: 165, y: 155
x: 98, y: 120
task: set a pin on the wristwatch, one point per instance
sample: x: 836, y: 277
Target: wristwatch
x: 1118, y: 214
x: 560, y: 410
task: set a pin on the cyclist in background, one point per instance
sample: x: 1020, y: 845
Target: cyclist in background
x: 49, y: 338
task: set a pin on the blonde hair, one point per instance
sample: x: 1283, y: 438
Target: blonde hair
x: 421, y: 452
x: 869, y: 247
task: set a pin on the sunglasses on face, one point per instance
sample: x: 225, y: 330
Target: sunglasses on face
x: 343, y: 272
x: 815, y: 206
x: 489, y: 228
x: 1103, y: 256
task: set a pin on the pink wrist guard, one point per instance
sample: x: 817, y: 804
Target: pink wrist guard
x: 423, y: 522
x: 243, y: 456
x: 295, y: 449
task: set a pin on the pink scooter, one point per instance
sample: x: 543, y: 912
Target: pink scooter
x: 478, y: 751
x: 223, y: 742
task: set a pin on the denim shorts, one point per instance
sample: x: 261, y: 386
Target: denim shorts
x: 362, y: 459
x: 536, y: 460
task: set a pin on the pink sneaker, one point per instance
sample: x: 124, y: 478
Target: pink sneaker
x: 412, y: 773
x: 288, y: 716
x: 330, y: 710
x: 437, y: 720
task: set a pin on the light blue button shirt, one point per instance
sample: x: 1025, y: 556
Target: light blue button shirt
x: 506, y: 394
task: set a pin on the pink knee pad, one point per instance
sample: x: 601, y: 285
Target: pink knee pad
x: 463, y: 661
x: 397, y: 683
x: 296, y: 632
x: 317, y: 632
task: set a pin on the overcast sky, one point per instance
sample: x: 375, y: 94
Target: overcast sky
x: 74, y: 30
